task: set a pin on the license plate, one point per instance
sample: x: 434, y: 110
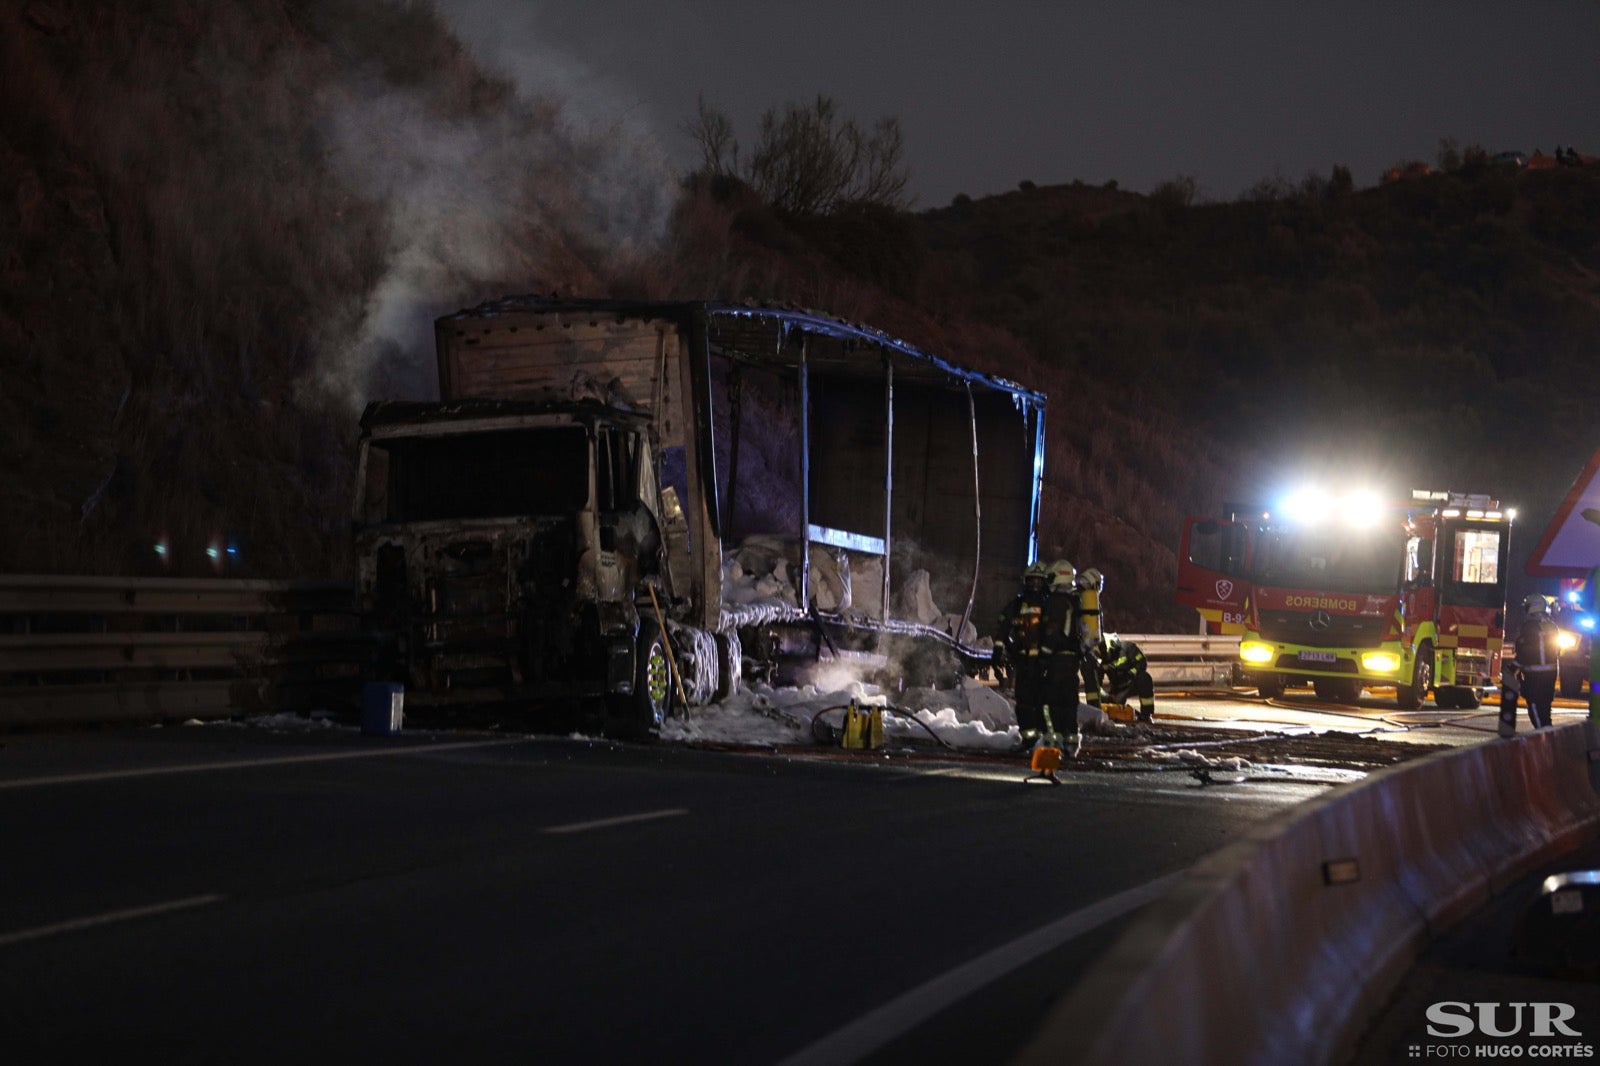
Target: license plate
x: 1318, y: 657
x: 1567, y: 902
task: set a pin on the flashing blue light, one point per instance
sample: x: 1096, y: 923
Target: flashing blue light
x: 1587, y: 621
x: 1572, y: 596
x: 232, y: 550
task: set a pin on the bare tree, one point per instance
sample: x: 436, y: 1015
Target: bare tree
x: 809, y: 159
x: 712, y: 132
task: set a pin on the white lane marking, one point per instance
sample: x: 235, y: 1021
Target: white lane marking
x: 7, y: 939
x: 285, y: 760
x: 900, y: 1015
x: 607, y: 823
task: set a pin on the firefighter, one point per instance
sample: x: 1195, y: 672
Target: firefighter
x: 1063, y: 644
x: 1532, y: 674
x: 1022, y: 633
x: 1125, y: 673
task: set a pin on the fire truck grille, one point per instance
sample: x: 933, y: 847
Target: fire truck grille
x: 1322, y: 630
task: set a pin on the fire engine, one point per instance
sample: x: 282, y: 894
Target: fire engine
x: 1346, y: 593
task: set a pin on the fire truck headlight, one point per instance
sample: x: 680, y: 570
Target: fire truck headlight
x: 1253, y: 651
x: 1566, y: 641
x: 1380, y: 662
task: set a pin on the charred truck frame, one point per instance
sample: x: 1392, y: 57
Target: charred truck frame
x: 1346, y: 593
x: 631, y: 504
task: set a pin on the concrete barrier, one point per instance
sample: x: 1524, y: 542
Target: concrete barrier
x: 1282, y: 947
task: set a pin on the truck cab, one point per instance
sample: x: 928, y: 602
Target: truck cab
x: 499, y: 545
x: 1346, y: 593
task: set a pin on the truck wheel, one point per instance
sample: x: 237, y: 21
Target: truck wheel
x: 1410, y: 697
x: 1270, y: 686
x: 639, y: 715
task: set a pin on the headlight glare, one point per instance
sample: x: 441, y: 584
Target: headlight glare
x: 1253, y: 651
x: 1380, y: 662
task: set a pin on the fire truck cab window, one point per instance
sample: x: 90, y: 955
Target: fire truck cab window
x: 1477, y: 565
x: 1419, y: 562
x: 1218, y: 546
x: 1332, y: 560
x: 1477, y: 557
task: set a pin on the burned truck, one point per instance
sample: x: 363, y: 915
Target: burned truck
x: 627, y: 506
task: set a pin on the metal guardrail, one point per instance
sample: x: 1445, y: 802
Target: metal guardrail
x: 94, y: 649
x: 1178, y: 660
x: 79, y: 650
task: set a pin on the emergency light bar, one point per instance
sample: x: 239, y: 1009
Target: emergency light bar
x: 1362, y: 507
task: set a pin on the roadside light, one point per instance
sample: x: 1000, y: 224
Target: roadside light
x: 1566, y: 641
x: 212, y: 553
x: 1253, y: 651
x: 1511, y: 513
x: 1380, y: 662
x: 161, y: 548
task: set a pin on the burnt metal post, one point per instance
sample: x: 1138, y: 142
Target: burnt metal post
x: 805, y: 478
x: 888, y: 473
x: 977, y: 516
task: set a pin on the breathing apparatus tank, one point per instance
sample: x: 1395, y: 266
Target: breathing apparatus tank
x: 1090, y: 582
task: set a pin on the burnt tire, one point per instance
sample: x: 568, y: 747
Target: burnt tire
x: 640, y: 714
x: 1409, y: 696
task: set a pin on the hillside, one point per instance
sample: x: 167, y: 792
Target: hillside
x: 225, y: 226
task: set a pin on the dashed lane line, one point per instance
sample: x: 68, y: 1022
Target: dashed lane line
x: 108, y: 918
x: 607, y: 823
x: 243, y: 764
x: 900, y: 1015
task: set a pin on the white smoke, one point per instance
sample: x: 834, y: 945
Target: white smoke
x: 525, y: 196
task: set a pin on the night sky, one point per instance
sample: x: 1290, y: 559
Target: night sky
x: 1230, y: 92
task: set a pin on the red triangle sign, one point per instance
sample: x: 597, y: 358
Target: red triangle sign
x: 1570, y: 546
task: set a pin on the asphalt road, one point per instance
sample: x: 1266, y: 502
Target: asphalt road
x: 226, y: 893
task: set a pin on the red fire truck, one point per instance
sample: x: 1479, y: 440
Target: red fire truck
x: 1346, y: 593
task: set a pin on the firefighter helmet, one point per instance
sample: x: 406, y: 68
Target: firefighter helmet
x: 1092, y: 579
x: 1037, y: 574
x: 1110, y: 647
x: 1062, y: 576
x: 1535, y: 604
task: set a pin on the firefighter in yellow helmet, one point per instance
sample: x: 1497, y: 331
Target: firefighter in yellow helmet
x: 1531, y: 674
x: 1125, y: 673
x: 1065, y: 647
x: 1022, y: 647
